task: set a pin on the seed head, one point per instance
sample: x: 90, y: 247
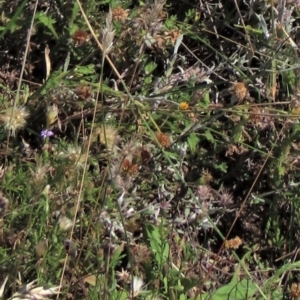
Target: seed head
x: 137, y: 286
x: 123, y: 275
x: 75, y: 156
x: 295, y: 290
x: 233, y: 243
x: 52, y: 113
x: 64, y: 223
x: 163, y: 139
x: 79, y: 37
x: 239, y: 90
x: 14, y: 118
x: 108, y: 34
x: 108, y: 136
x: 119, y: 14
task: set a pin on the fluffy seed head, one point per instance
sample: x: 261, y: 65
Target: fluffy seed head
x: 137, y: 286
x: 14, y: 118
x: 64, y: 223
x: 75, y: 156
x: 108, y: 136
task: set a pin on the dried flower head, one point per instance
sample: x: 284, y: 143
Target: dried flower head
x: 183, y: 105
x: 123, y: 275
x: 14, y: 118
x: 84, y: 92
x: 108, y: 136
x: 255, y: 115
x: 163, y: 139
x: 130, y: 147
x: 128, y: 167
x: 225, y: 197
x: 140, y: 253
x: 239, y: 90
x: 172, y: 35
x: 295, y: 290
x: 79, y: 37
x: 204, y: 192
x: 233, y: 243
x: 119, y: 14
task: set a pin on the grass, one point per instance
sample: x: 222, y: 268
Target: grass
x: 149, y: 150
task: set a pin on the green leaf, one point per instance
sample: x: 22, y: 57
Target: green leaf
x: 209, y: 136
x: 47, y: 21
x: 150, y: 67
x: 12, y: 23
x: 193, y: 141
x: 238, y: 132
x: 75, y: 11
x: 238, y: 290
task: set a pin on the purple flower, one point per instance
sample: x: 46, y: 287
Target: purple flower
x: 46, y: 133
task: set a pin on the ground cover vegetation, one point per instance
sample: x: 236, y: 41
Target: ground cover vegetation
x: 149, y: 149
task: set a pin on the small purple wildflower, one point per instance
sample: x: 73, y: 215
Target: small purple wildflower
x: 46, y: 133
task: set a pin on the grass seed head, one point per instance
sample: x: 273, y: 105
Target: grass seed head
x: 108, y: 34
x: 14, y: 119
x: 52, y: 113
x: 108, y: 136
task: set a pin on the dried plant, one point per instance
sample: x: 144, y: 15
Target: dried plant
x: 108, y: 34
x: 31, y: 291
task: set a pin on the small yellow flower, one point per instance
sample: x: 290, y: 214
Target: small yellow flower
x: 183, y: 106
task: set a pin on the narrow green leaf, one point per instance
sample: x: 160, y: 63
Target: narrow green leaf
x: 12, y: 23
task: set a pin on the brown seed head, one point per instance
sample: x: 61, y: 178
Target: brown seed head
x: 163, y: 139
